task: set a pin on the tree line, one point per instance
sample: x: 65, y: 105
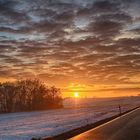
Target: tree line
x: 28, y: 95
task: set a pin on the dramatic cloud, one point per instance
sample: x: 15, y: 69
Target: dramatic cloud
x: 92, y: 42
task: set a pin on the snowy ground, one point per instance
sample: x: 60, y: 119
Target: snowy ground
x: 25, y: 125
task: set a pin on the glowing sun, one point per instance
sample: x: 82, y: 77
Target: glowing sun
x: 76, y: 94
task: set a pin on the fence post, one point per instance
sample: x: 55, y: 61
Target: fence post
x: 120, y: 111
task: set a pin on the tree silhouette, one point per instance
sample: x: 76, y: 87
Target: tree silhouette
x: 28, y: 95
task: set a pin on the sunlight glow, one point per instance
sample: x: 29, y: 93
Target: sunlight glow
x: 76, y: 94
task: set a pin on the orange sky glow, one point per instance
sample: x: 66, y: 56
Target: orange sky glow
x: 87, y: 46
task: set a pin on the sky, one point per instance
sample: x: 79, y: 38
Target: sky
x: 86, y: 46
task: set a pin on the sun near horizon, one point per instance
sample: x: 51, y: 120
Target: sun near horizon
x: 76, y: 94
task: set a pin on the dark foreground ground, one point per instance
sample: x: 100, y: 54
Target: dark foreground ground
x: 126, y: 127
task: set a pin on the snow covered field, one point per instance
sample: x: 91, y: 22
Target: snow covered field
x: 25, y: 125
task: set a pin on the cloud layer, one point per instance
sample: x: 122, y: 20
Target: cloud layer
x: 88, y: 42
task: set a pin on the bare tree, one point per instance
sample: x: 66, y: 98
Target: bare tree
x: 28, y: 95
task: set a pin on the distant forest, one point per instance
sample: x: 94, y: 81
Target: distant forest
x: 28, y: 95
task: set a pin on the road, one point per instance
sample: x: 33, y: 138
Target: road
x: 126, y: 127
